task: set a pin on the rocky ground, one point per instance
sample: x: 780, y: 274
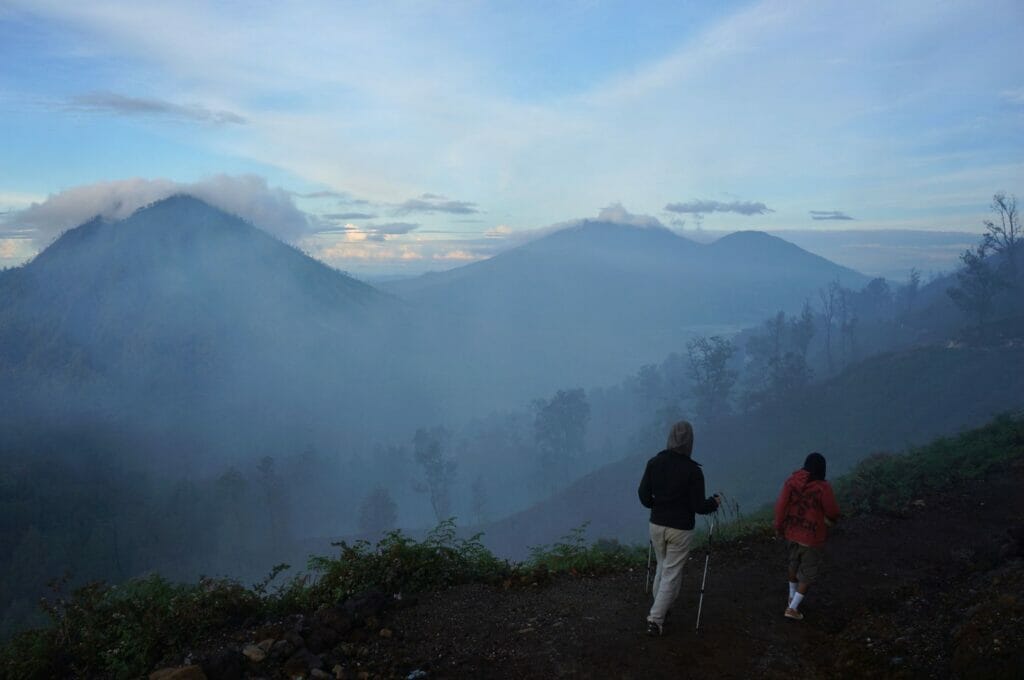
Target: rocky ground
x: 932, y: 590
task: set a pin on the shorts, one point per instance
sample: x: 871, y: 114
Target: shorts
x: 805, y: 561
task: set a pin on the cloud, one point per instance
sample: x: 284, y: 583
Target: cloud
x: 614, y: 212
x: 704, y: 207
x: 341, y: 217
x: 1015, y: 95
x: 500, y: 231
x: 122, y: 105
x: 246, y: 196
x: 434, y: 203
x: 319, y: 194
x: 829, y: 215
x: 459, y: 256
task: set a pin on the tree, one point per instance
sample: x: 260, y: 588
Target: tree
x: 712, y: 377
x: 479, y: 500
x: 906, y: 296
x: 377, y: 513
x: 428, y: 450
x: 560, y: 428
x: 978, y: 284
x: 1003, y: 237
x: 829, y: 302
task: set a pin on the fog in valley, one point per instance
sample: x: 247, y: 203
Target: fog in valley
x: 220, y: 373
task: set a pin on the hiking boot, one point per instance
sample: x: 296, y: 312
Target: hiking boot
x: 653, y: 628
x: 794, y: 614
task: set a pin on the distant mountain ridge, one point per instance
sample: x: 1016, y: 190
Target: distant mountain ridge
x: 589, y: 303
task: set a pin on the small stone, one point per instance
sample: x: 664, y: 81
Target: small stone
x: 318, y: 674
x: 254, y: 653
x: 363, y: 675
x: 265, y: 645
x: 339, y: 672
x: 180, y: 673
x: 386, y: 633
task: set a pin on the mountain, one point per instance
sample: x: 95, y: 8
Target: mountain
x: 188, y: 325
x: 587, y: 304
x: 883, y: 404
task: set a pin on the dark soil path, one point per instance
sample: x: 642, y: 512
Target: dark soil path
x: 936, y: 592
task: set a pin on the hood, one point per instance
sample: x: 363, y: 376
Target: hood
x: 680, y: 439
x: 800, y: 479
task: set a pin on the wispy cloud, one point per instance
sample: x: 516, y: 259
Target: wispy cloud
x: 706, y: 207
x: 434, y: 203
x: 348, y: 216
x: 122, y: 105
x: 247, y: 196
x: 829, y: 215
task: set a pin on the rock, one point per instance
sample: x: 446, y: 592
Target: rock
x: 254, y: 653
x: 282, y: 649
x: 386, y: 633
x: 265, y: 645
x: 335, y: 619
x: 363, y: 606
x: 339, y: 672
x: 225, y: 664
x: 318, y: 674
x: 302, y: 662
x: 363, y: 675
x: 180, y: 673
x: 295, y: 639
x: 321, y: 638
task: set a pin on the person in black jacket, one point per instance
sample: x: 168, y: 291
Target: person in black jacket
x: 673, y: 488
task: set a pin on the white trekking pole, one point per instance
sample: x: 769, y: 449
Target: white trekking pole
x: 707, y: 558
x: 650, y: 551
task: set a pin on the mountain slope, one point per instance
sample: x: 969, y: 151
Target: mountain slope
x: 882, y: 404
x: 183, y: 318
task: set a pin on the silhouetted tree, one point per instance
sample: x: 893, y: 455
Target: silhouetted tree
x: 978, y: 284
x: 829, y: 303
x: 1003, y: 236
x: 377, y: 513
x: 560, y: 428
x: 439, y: 471
x: 713, y: 379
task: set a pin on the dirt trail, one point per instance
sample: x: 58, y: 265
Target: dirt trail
x: 937, y: 592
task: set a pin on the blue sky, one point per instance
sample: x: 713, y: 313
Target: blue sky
x: 419, y: 135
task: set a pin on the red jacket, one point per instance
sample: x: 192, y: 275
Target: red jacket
x: 802, y: 508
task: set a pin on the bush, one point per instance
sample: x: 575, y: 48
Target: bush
x: 886, y: 483
x: 572, y: 555
x: 398, y: 564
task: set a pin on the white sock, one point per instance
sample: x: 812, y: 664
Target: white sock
x: 792, y: 591
x: 795, y: 602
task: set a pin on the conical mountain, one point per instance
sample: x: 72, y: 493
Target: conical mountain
x: 589, y: 303
x: 184, y: 317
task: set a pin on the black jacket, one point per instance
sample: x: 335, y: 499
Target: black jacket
x: 673, y: 488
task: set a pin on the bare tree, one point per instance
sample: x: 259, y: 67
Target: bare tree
x: 829, y: 303
x: 428, y: 450
x: 1003, y: 236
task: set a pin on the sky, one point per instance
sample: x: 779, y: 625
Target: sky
x: 395, y: 137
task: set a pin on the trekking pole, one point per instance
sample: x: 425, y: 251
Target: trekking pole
x: 707, y: 558
x: 647, y: 582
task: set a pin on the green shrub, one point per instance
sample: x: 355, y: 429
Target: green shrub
x: 886, y: 483
x: 572, y: 555
x: 399, y: 564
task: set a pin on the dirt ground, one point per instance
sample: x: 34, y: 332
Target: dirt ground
x: 935, y: 592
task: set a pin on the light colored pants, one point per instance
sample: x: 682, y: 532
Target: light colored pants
x: 671, y: 546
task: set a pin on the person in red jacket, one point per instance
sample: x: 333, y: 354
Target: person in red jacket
x: 805, y: 509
